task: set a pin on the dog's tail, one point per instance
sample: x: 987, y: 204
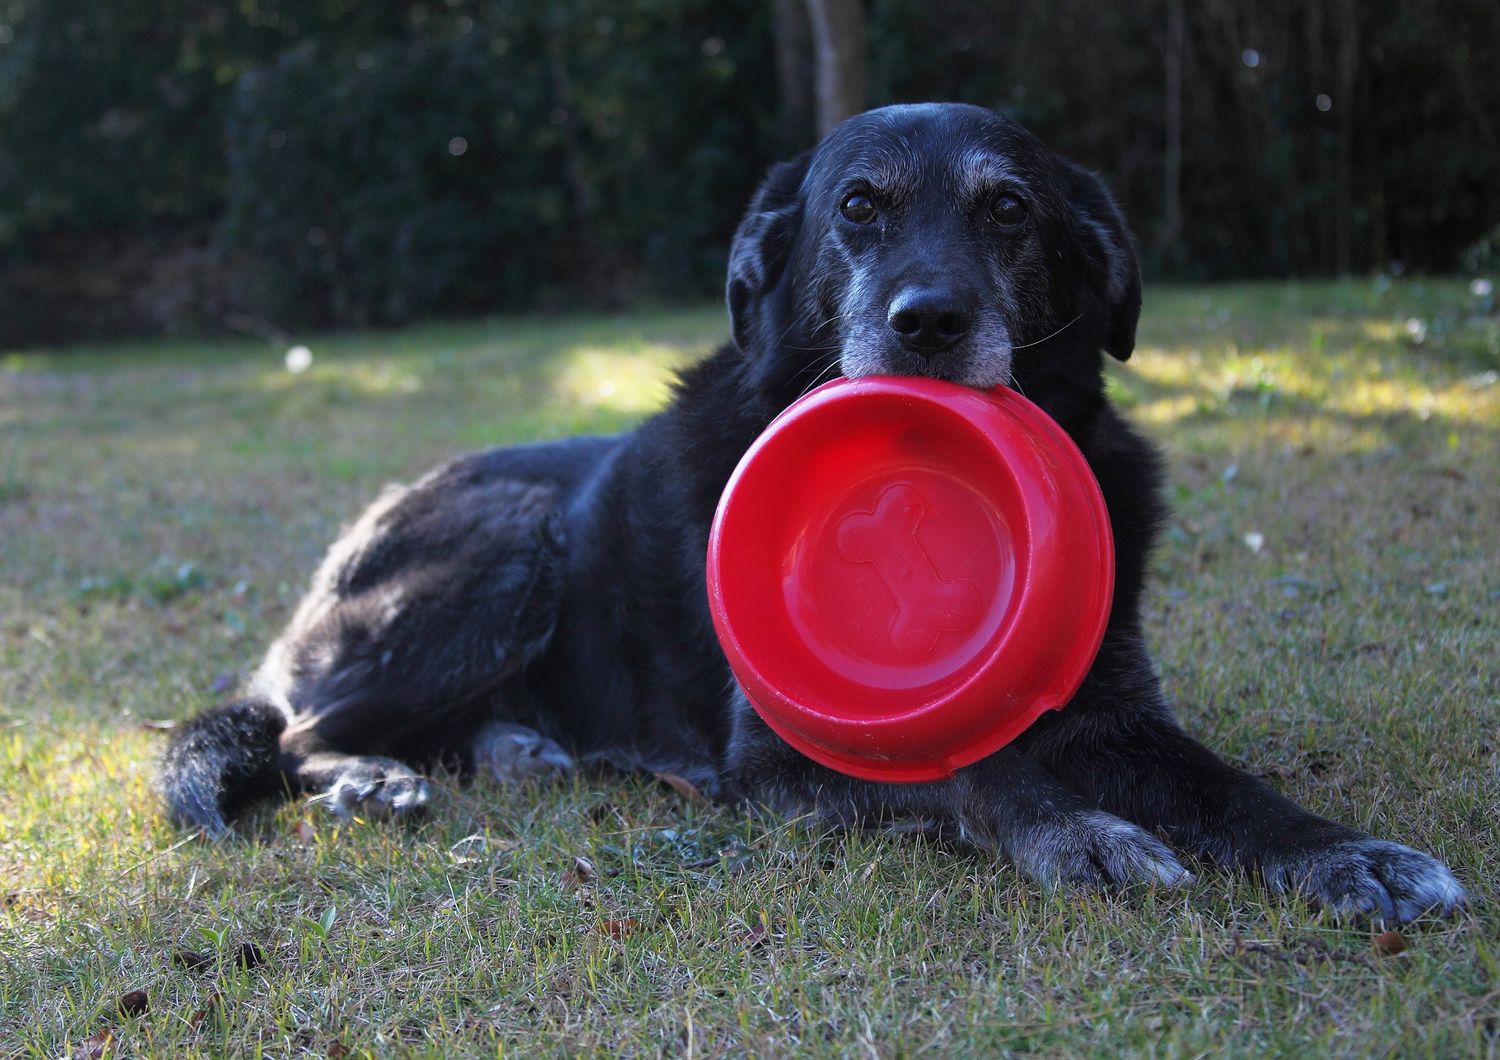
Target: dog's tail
x: 219, y: 761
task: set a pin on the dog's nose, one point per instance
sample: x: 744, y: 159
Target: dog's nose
x: 929, y: 320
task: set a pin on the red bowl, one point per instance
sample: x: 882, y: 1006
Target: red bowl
x: 904, y: 574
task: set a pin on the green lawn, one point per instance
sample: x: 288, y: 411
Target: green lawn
x: 161, y: 506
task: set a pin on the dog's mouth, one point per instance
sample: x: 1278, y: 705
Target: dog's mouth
x: 980, y: 368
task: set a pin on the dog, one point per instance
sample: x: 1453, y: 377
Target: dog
x: 524, y: 609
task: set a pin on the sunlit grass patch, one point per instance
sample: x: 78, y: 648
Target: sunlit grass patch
x: 625, y: 377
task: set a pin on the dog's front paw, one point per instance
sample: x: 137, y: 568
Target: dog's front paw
x: 1360, y: 874
x: 1096, y: 849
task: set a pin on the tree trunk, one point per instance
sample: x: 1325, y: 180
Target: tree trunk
x: 1171, y: 228
x: 1348, y: 76
x: 793, y: 73
x: 593, y: 273
x: 838, y: 30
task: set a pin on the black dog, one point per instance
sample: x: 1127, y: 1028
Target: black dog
x: 524, y: 608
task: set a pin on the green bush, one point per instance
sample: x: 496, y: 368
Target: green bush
x: 516, y: 157
x: 1316, y: 138
x: 183, y: 163
x: 345, y: 192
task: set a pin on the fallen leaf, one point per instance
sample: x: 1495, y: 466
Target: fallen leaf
x: 754, y: 937
x: 581, y: 872
x: 250, y: 956
x: 304, y: 832
x: 603, y: 811
x: 618, y: 929
x: 36, y: 914
x: 211, y: 1004
x: 95, y: 1045
x: 1390, y: 943
x: 337, y: 1049
x: 683, y: 787
x: 134, y: 1003
x: 191, y: 960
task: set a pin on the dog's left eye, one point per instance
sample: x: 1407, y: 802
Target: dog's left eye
x: 1008, y: 211
x: 858, y: 208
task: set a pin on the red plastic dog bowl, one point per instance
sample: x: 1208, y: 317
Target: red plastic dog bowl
x: 906, y: 573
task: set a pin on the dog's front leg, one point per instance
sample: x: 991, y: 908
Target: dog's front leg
x: 1007, y: 802
x: 1118, y: 745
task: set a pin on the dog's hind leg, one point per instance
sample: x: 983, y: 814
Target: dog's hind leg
x: 442, y: 603
x: 436, y: 598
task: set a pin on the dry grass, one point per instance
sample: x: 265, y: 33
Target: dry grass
x: 160, y: 507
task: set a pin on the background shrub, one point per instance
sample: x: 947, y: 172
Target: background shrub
x: 267, y: 164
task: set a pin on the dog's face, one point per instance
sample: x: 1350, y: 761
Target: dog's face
x: 933, y: 240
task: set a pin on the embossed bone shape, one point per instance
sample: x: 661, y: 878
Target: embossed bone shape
x: 927, y: 604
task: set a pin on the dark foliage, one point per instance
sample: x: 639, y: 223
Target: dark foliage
x: 515, y: 155
x: 1316, y: 138
x: 265, y: 163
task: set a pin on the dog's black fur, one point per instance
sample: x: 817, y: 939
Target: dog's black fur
x: 522, y: 608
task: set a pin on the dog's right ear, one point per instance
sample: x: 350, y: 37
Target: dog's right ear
x: 763, y: 246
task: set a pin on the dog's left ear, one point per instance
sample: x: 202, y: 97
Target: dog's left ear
x: 762, y: 248
x: 1109, y: 255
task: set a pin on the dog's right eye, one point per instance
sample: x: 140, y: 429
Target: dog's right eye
x: 858, y: 208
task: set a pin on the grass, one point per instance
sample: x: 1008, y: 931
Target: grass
x: 1324, y: 612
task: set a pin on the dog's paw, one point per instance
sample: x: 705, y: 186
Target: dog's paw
x: 376, y: 787
x: 1362, y: 875
x: 1095, y: 849
x: 510, y: 753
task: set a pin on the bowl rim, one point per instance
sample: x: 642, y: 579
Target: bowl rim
x: 977, y: 675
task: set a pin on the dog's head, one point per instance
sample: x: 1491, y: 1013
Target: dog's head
x: 940, y: 240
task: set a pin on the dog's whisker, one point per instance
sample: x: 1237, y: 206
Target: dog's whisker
x: 816, y: 368
x: 1047, y: 338
x: 820, y: 353
x: 798, y: 321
